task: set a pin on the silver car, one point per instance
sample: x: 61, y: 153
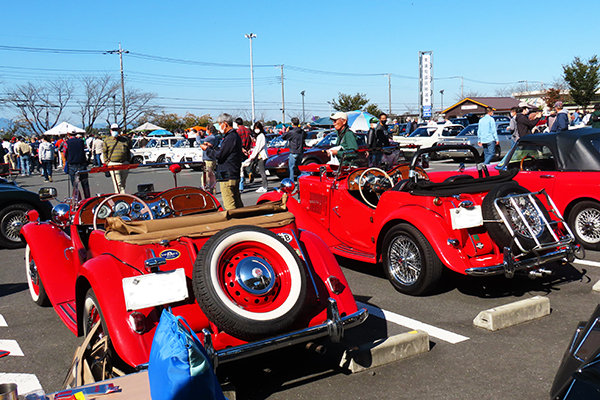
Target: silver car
x: 468, y: 136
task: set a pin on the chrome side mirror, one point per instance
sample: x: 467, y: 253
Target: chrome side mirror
x: 47, y: 193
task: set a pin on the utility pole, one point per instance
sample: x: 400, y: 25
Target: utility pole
x: 282, y: 98
x: 303, y: 116
x: 251, y: 36
x: 442, y: 93
x: 120, y: 53
x: 390, y: 92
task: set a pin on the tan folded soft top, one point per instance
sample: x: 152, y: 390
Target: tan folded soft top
x: 266, y: 215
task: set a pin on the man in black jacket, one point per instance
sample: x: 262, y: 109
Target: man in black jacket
x: 377, y: 139
x: 296, y: 137
x: 525, y: 122
x: 229, y: 162
x: 77, y: 161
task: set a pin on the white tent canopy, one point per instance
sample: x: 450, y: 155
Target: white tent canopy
x: 63, y: 128
x: 147, y: 127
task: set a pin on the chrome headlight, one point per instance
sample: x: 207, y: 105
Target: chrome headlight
x: 61, y: 214
x: 287, y: 186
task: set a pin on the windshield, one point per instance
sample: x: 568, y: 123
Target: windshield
x: 470, y: 130
x: 423, y: 132
x: 451, y: 131
x: 278, y: 142
x: 327, y: 141
x: 537, y: 156
x: 182, y: 143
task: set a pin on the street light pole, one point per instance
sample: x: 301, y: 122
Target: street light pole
x: 442, y: 93
x: 303, y: 115
x: 251, y: 36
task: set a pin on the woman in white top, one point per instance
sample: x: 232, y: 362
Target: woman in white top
x: 259, y: 154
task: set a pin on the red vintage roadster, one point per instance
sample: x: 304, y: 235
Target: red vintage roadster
x: 418, y: 223
x: 247, y: 280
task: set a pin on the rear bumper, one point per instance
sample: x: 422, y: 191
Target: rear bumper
x: 334, y: 328
x: 509, y: 266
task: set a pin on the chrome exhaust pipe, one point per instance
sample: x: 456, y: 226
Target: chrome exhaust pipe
x: 540, y: 273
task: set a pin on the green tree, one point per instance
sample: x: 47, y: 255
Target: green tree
x: 189, y: 120
x: 347, y: 102
x: 373, y: 109
x: 583, y: 79
x: 551, y: 96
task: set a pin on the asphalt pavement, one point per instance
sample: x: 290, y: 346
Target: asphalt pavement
x: 464, y: 362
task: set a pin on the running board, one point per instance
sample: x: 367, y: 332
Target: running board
x: 350, y: 252
x: 67, y: 311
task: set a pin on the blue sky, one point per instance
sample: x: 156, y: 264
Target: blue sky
x: 491, y: 44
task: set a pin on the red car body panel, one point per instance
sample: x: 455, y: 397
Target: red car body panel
x: 68, y: 269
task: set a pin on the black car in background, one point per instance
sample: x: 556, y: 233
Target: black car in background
x: 15, y: 202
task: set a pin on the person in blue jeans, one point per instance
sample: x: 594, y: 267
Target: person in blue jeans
x: 46, y: 157
x: 487, y: 135
x: 295, y: 136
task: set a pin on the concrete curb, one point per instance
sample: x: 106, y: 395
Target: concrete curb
x: 384, y: 351
x: 596, y: 287
x: 513, y: 313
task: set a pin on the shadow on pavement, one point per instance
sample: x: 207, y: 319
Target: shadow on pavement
x: 12, y: 288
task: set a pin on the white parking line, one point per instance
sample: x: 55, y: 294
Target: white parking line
x: 26, y: 383
x: 12, y: 346
x: 586, y: 262
x: 2, y: 321
x: 433, y: 331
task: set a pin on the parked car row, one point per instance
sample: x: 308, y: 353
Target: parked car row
x: 253, y: 279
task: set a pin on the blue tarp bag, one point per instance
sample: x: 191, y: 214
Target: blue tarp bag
x: 179, y: 367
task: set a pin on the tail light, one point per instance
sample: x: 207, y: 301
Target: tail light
x: 137, y: 322
x: 335, y: 285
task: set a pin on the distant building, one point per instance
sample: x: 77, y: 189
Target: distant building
x: 477, y: 106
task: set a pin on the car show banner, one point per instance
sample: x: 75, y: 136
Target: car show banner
x: 425, y: 84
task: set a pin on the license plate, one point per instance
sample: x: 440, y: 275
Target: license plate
x: 463, y: 218
x: 155, y: 289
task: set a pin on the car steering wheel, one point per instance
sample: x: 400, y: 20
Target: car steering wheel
x: 533, y: 166
x: 110, y: 201
x: 361, y: 183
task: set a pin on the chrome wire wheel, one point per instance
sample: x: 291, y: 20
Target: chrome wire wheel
x: 532, y: 217
x: 405, y: 260
x: 587, y: 225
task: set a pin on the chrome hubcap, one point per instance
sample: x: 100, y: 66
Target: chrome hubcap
x: 587, y: 225
x: 405, y: 261
x: 33, y: 274
x: 255, y: 275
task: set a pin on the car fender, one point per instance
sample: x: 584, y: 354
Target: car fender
x: 104, y: 274
x: 435, y: 229
x: 50, y: 248
x: 324, y: 264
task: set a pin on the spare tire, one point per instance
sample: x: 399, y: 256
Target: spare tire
x: 498, y: 230
x: 249, y: 282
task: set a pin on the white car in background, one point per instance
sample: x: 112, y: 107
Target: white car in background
x: 155, y: 149
x: 427, y: 136
x: 313, y: 137
x: 182, y: 152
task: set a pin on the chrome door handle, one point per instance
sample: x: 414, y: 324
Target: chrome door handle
x: 547, y: 176
x: 67, y: 249
x: 335, y: 211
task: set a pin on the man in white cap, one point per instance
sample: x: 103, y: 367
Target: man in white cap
x: 117, y: 151
x: 346, y: 139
